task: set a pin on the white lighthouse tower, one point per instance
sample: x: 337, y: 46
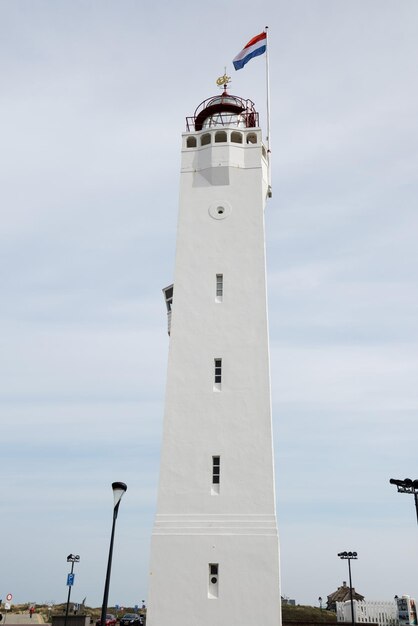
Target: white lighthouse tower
x: 214, y: 554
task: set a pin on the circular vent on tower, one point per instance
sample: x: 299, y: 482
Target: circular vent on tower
x: 220, y: 210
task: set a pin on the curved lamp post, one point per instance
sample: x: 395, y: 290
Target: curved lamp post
x: 349, y: 556
x: 407, y: 486
x: 118, y: 491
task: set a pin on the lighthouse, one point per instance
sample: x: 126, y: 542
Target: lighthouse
x: 214, y: 549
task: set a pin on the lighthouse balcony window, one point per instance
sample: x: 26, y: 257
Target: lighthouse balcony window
x: 251, y: 138
x: 205, y: 139
x: 220, y: 136
x: 191, y: 142
x: 236, y: 137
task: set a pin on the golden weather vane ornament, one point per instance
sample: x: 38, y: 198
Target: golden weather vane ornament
x: 223, y: 81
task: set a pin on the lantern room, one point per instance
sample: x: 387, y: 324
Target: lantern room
x: 223, y: 110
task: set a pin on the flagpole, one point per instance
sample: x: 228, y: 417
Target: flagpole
x: 269, y: 191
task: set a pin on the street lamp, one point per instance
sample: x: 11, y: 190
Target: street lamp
x: 349, y: 556
x: 407, y: 486
x: 71, y: 558
x: 118, y: 491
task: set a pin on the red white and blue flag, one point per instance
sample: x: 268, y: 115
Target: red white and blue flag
x: 256, y: 46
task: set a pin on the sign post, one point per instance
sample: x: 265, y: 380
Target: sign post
x: 71, y: 558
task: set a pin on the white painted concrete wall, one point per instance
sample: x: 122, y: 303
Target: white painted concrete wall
x: 195, y: 526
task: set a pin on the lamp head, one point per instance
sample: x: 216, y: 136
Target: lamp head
x: 347, y: 555
x: 396, y: 481
x: 118, y: 491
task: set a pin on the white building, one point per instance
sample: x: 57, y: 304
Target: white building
x: 367, y: 611
x: 214, y: 553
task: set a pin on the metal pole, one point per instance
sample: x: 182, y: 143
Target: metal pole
x: 269, y: 191
x: 416, y: 503
x: 351, y: 593
x: 69, y: 594
x: 109, y: 568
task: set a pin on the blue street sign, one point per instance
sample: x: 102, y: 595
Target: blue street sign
x: 70, y: 580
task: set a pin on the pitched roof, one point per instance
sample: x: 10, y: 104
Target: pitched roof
x: 342, y: 594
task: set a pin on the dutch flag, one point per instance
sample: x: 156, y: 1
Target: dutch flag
x: 256, y: 46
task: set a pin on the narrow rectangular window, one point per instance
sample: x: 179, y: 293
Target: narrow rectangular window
x: 216, y: 470
x: 218, y: 371
x: 219, y: 287
x: 168, y: 293
x: 213, y: 586
x: 216, y: 476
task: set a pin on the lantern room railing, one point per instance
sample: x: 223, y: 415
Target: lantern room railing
x: 223, y: 110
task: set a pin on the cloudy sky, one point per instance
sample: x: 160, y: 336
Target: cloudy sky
x: 93, y: 100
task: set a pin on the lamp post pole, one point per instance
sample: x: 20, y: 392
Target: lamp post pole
x: 349, y: 556
x: 118, y: 491
x: 71, y: 558
x: 407, y: 486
